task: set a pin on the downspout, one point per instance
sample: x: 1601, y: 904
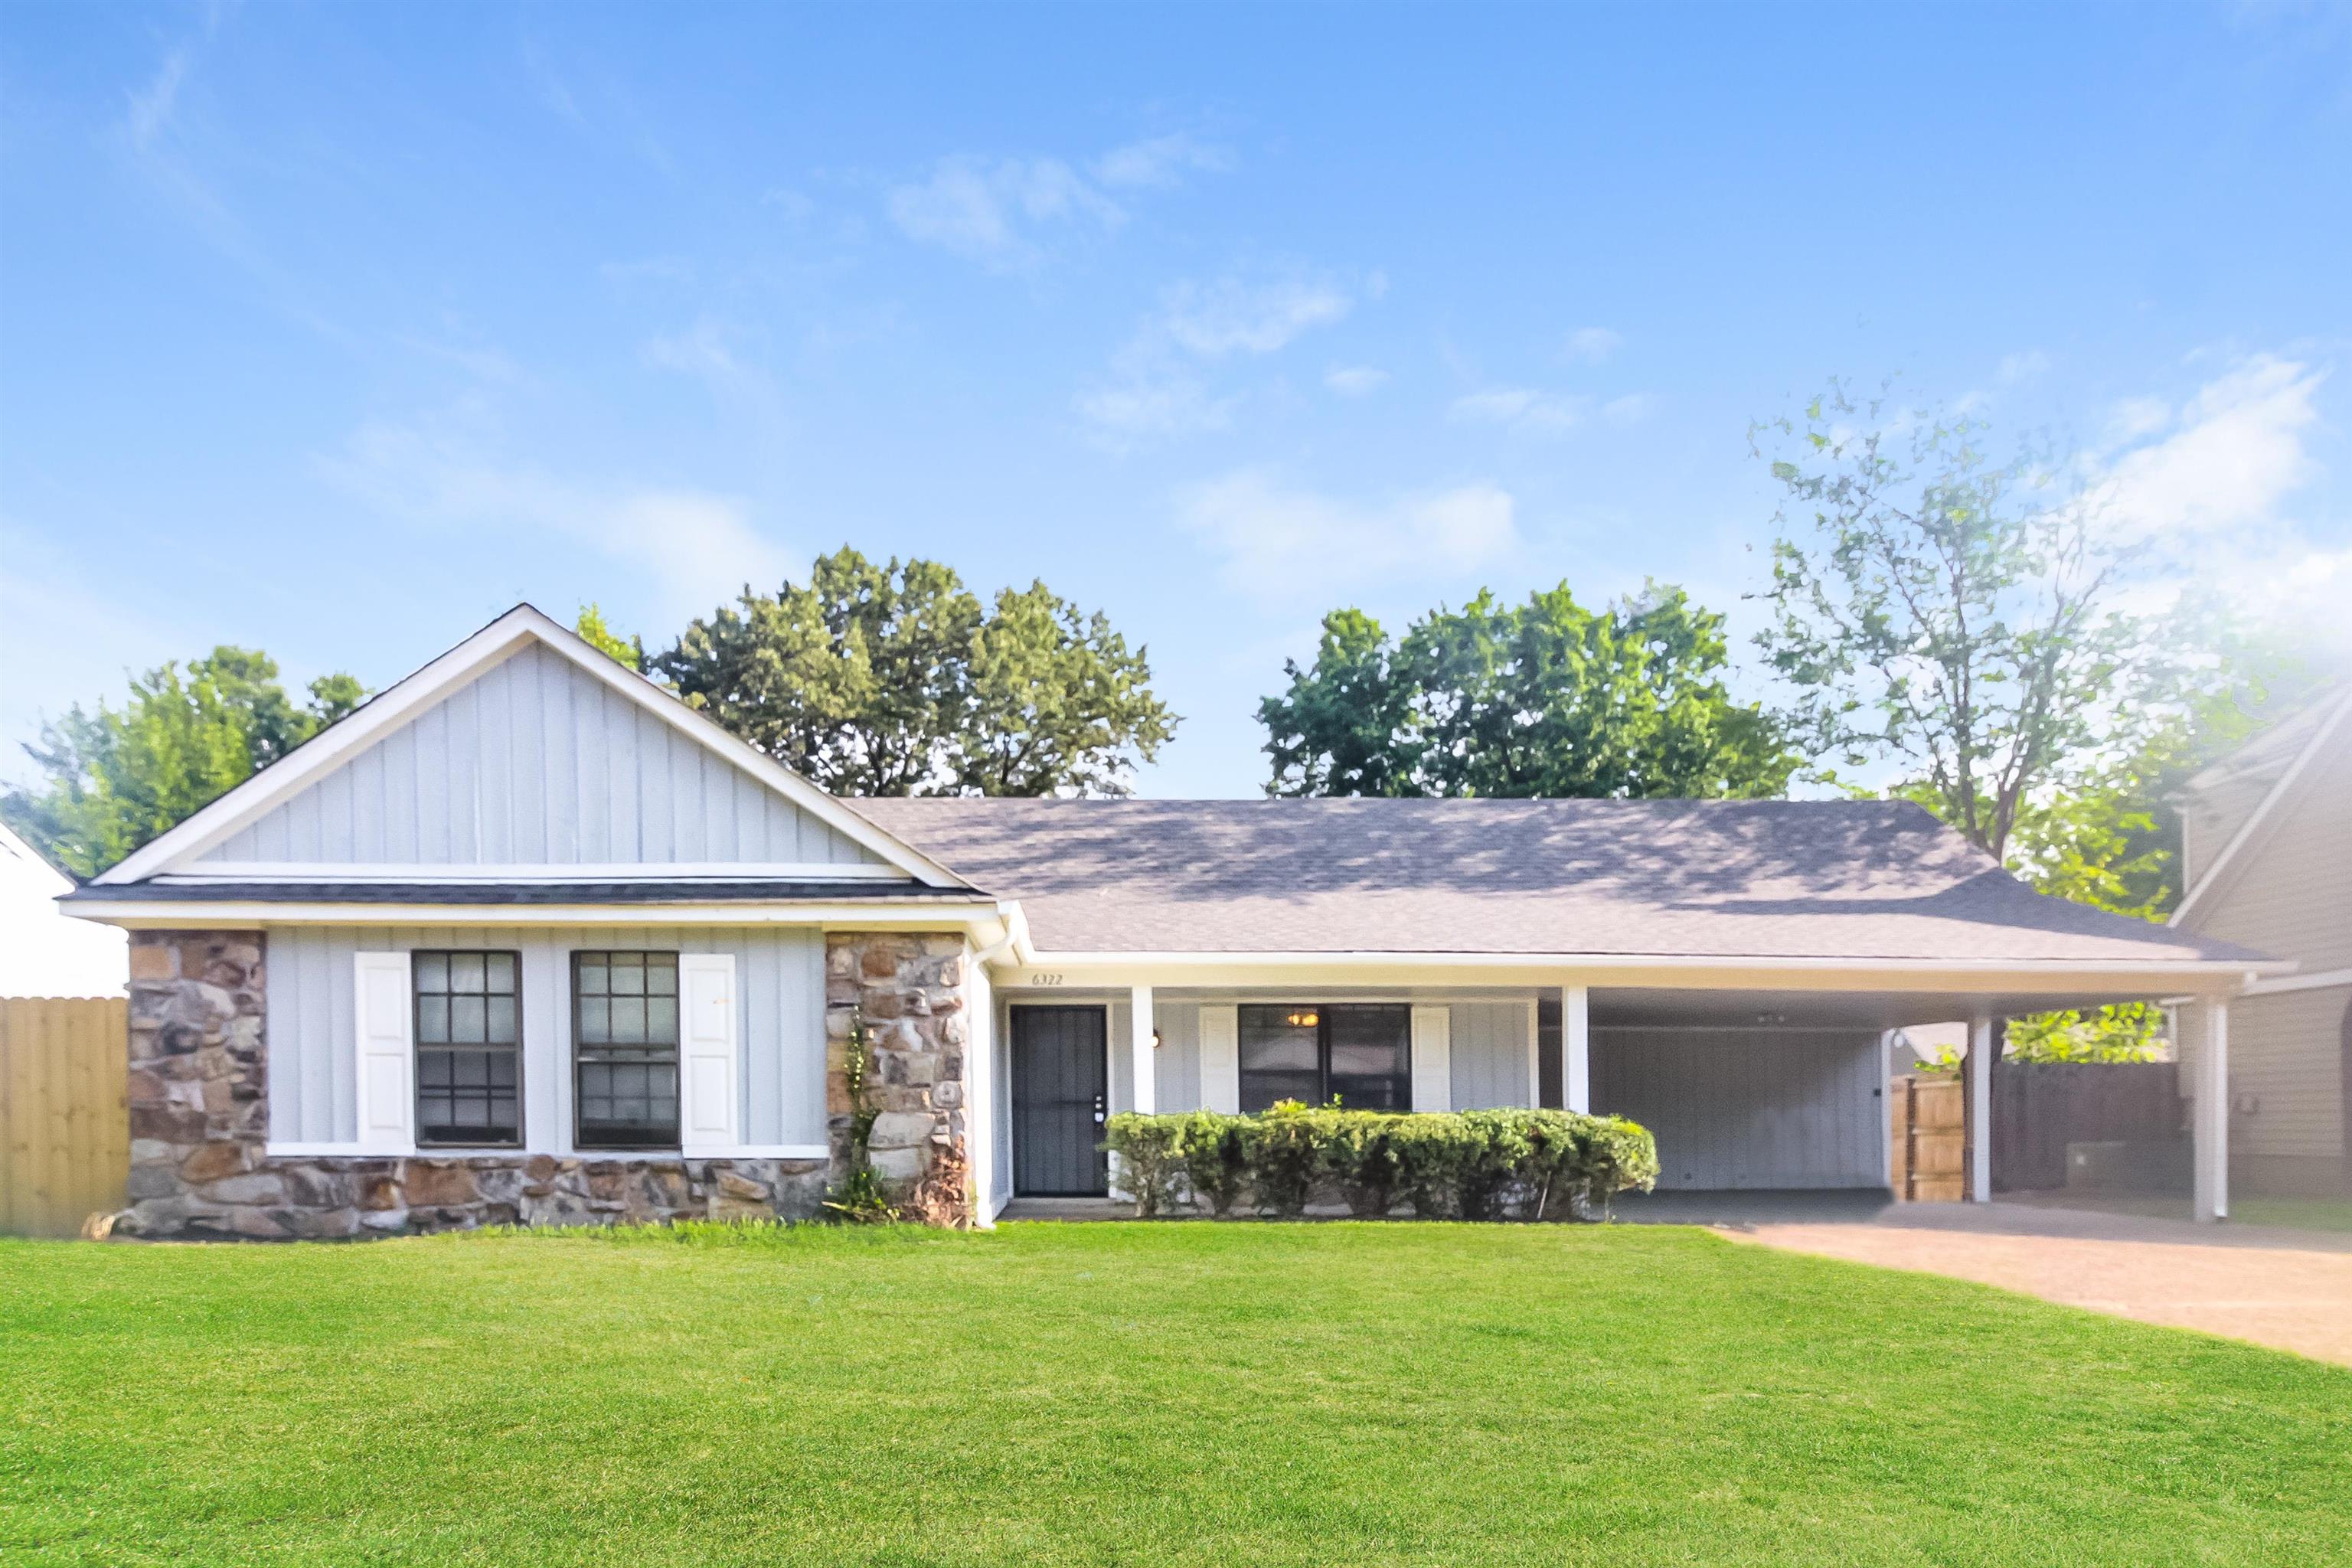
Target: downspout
x: 1015, y: 939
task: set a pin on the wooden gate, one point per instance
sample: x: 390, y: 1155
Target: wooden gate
x: 65, y: 1130
x: 1928, y: 1139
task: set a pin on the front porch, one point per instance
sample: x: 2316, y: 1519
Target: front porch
x: 1751, y: 1083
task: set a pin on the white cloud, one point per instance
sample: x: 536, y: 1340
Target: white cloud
x: 1630, y: 409
x: 1234, y: 315
x: 991, y: 212
x: 1159, y: 161
x: 2135, y: 417
x: 2023, y: 367
x: 695, y: 546
x: 152, y: 107
x: 1525, y: 409
x: 1594, y: 344
x: 1355, y: 380
x: 1273, y: 535
x: 1007, y: 212
x: 1156, y: 388
x: 2237, y: 452
x: 1145, y: 407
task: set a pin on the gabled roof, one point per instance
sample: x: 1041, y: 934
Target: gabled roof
x: 2277, y: 760
x: 1705, y: 880
x: 520, y: 627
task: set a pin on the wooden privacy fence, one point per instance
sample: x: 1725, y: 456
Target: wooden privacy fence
x: 2039, y: 1108
x: 65, y: 1132
x: 1927, y: 1140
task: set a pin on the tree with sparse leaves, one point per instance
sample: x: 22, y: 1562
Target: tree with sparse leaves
x: 113, y: 780
x: 1541, y: 699
x: 628, y: 652
x: 895, y: 679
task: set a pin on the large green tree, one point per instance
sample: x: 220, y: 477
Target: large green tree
x: 113, y: 779
x: 1961, y: 620
x: 895, y: 679
x: 1539, y: 699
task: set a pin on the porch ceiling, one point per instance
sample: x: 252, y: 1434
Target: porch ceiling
x: 1823, y: 1009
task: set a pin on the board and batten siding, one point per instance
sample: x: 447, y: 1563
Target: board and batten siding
x: 314, y: 1011
x: 536, y: 763
x: 1749, y: 1109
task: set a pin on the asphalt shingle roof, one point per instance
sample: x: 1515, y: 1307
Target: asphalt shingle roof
x: 1701, y: 878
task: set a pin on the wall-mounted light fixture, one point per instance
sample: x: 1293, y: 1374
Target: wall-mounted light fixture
x: 1157, y: 1040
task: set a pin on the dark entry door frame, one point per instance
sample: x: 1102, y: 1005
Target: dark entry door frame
x: 1060, y: 1072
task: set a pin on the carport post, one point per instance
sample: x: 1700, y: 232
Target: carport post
x: 2210, y: 1128
x: 1575, y: 1048
x: 1981, y: 1109
x: 1143, y: 1033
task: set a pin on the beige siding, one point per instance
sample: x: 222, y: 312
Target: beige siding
x: 2292, y: 895
x: 2286, y: 1072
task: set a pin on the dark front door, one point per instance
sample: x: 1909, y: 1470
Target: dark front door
x: 1059, y: 1101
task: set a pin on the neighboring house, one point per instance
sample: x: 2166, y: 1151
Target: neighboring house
x: 527, y: 938
x: 43, y: 952
x: 2267, y: 859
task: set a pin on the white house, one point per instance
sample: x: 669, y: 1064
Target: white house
x: 526, y: 938
x: 42, y: 951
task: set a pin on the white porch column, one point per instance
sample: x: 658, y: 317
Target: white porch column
x: 1147, y: 1087
x: 2210, y: 1128
x: 1575, y: 1048
x: 1981, y: 1109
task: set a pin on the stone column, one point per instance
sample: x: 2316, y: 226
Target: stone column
x: 198, y: 1087
x: 910, y: 989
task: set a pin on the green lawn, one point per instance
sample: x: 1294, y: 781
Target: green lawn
x: 1174, y: 1393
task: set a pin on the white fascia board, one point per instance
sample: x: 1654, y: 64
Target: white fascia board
x: 2056, y: 977
x: 539, y: 874
x: 495, y: 642
x: 2251, y: 831
x: 2321, y: 980
x: 173, y: 914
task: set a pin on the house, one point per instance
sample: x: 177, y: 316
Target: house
x: 2267, y: 861
x: 42, y: 953
x: 526, y: 938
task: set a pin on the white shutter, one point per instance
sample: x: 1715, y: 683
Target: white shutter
x: 1221, y: 1059
x: 1432, y: 1058
x: 387, y: 1054
x: 708, y: 1068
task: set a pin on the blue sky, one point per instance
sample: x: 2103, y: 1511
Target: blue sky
x: 336, y: 329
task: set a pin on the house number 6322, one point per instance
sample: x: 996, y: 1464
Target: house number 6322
x: 1045, y: 980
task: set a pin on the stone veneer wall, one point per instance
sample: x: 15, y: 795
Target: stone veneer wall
x: 911, y: 991
x: 199, y: 1104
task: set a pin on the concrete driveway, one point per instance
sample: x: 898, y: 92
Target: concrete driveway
x: 2290, y: 1289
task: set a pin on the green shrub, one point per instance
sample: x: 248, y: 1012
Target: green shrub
x: 1219, y: 1152
x: 1291, y: 1139
x: 1360, y: 1156
x: 1150, y: 1160
x: 1471, y: 1165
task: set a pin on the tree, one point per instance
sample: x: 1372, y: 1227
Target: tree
x: 628, y: 652
x: 1543, y: 698
x: 1955, y: 616
x: 1961, y: 620
x: 115, y: 779
x: 895, y: 679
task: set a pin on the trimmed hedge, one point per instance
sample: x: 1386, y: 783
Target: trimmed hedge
x: 1467, y: 1165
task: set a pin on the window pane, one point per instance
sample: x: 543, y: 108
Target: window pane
x: 1371, y: 1039
x: 661, y: 1020
x: 465, y: 1020
x: 500, y: 972
x: 432, y: 970
x: 1260, y: 1090
x: 661, y: 973
x: 628, y: 977
x: 433, y: 1020
x: 466, y: 971
x: 593, y: 975
x: 625, y: 1056
x: 501, y: 1025
x: 628, y: 1020
x: 595, y: 1021
x: 1278, y: 1040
